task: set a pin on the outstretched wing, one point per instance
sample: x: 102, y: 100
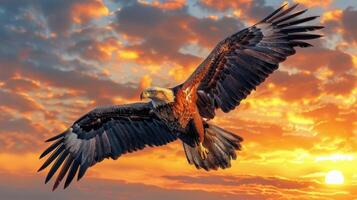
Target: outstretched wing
x: 106, y: 132
x: 244, y: 60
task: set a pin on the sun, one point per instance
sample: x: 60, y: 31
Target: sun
x: 334, y: 177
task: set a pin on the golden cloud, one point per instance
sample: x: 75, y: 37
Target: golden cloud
x: 332, y: 15
x: 145, y: 82
x: 165, y: 5
x: 127, y: 55
x: 82, y: 12
x: 315, y: 3
x: 222, y: 5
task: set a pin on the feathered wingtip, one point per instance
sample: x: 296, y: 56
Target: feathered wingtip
x: 57, y: 136
x: 288, y: 23
x: 60, y: 156
x: 275, y: 12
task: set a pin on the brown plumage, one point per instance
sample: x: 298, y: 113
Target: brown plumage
x: 235, y: 67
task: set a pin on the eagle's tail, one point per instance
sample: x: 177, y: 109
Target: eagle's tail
x: 221, y: 145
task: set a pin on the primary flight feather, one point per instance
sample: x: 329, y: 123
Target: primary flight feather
x: 231, y: 71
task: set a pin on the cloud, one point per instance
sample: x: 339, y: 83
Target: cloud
x: 33, y: 188
x: 19, y: 125
x: 102, y: 89
x: 334, y: 71
x: 18, y: 102
x: 341, y: 85
x: 19, y: 134
x: 251, y: 11
x: 162, y: 32
x: 341, y: 21
x: 243, y: 180
x: 60, y: 16
x: 317, y: 3
x: 210, y: 31
x: 291, y: 85
x: 159, y: 36
x: 336, y: 60
x: 332, y: 15
x: 102, y: 51
x: 349, y: 27
x: 334, y: 121
x: 257, y: 187
x: 18, y: 84
x: 166, y: 5
x: 223, y: 5
x: 83, y: 12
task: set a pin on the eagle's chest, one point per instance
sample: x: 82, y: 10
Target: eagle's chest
x: 185, y: 105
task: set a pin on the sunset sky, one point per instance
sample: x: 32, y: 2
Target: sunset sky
x: 61, y: 58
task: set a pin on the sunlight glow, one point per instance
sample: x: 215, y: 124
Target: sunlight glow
x: 335, y: 158
x: 129, y: 55
x: 334, y: 177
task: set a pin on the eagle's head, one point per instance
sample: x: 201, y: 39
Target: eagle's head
x: 158, y: 96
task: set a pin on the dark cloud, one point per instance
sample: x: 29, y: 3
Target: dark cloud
x: 18, y: 102
x: 340, y: 81
x: 250, y: 10
x: 258, y: 10
x: 15, y: 6
x: 91, y: 49
x: 342, y: 21
x: 57, y: 14
x: 341, y: 85
x: 19, y: 134
x: 101, y: 89
x: 20, y: 85
x: 27, y: 51
x: 293, y: 84
x: 307, y: 59
x: 209, y: 31
x: 63, y: 15
x: 349, y: 24
x: 18, y: 187
x: 125, y: 2
x: 19, y: 125
x: 242, y: 180
x: 165, y: 32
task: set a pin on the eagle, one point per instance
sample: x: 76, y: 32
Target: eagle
x: 235, y: 67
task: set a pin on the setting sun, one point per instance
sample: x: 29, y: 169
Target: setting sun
x: 334, y: 177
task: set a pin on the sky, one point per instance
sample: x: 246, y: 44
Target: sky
x: 60, y: 59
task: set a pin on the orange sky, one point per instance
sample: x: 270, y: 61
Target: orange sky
x: 59, y: 60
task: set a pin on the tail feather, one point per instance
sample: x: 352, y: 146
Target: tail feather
x: 222, y: 146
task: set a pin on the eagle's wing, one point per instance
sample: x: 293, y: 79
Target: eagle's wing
x: 106, y: 132
x: 244, y: 60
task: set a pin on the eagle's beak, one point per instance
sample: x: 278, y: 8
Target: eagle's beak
x: 143, y: 95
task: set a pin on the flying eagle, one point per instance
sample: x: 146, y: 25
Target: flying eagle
x: 231, y: 71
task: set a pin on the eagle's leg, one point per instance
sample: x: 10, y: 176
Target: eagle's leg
x: 203, y: 151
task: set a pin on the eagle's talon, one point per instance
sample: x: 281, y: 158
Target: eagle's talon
x: 203, y: 151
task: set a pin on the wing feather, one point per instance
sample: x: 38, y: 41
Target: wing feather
x: 106, y: 132
x: 239, y: 63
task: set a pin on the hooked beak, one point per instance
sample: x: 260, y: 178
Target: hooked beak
x: 141, y: 96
